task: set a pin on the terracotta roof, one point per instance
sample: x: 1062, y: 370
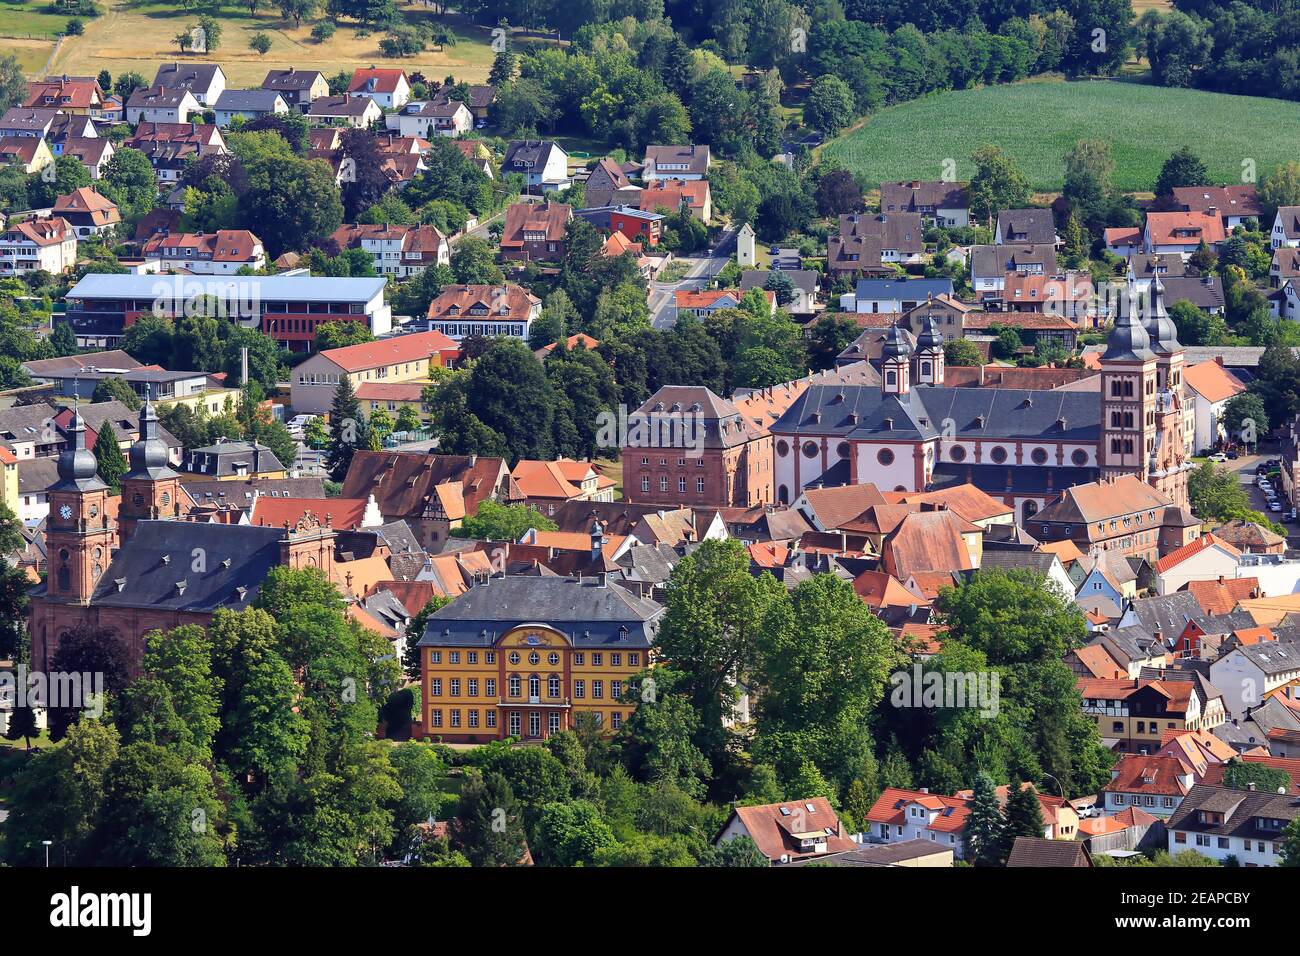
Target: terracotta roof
x: 224, y: 245
x: 534, y: 222
x: 102, y: 210
x: 777, y: 827
x: 556, y: 479
x: 1269, y: 611
x: 1149, y: 774
x: 456, y: 301
x: 1065, y: 549
x: 928, y: 541
x: 834, y: 506
x: 1019, y: 320
x: 964, y: 499
x: 878, y: 589
x: 398, y: 348
x: 672, y: 193
x: 340, y: 513
x: 711, y: 298
x: 1212, y: 381
x: 1214, y: 773
x: 390, y: 391
x: 42, y: 232
x: 63, y: 92
x: 1184, y: 228
x: 376, y: 80
x: 889, y: 807
x: 921, y: 638
x: 930, y: 583
x: 571, y: 343
x: 1221, y: 596
x: 1099, y: 663
x: 1226, y: 200
x: 1249, y: 535
x: 1193, y: 548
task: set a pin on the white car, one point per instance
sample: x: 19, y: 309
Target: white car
x: 1219, y: 457
x: 1275, y: 505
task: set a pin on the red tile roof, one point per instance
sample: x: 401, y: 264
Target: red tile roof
x: 1184, y: 228
x: 399, y: 348
x: 1148, y: 774
x: 1212, y: 381
x: 1190, y: 550
x: 340, y: 513
x: 1221, y: 596
x: 384, y: 80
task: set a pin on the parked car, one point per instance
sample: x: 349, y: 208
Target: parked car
x: 1275, y: 505
x: 1219, y: 457
x: 1232, y: 456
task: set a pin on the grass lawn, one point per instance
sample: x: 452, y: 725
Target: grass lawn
x: 30, y: 20
x: 1036, y: 122
x: 612, y: 468
x: 138, y: 36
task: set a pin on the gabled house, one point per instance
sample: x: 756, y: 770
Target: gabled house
x: 248, y: 105
x: 48, y: 245
x: 689, y: 162
x: 490, y: 310
x: 1286, y: 228
x: 29, y: 154
x: 1156, y: 783
x: 78, y: 95
x: 358, y: 112
x: 1250, y: 673
x: 789, y: 832
x: 30, y: 121
x: 900, y: 235
x: 437, y: 117
x: 542, y: 162
x: 162, y: 105
x: 205, y: 80
x: 1026, y: 227
x: 943, y: 203
x: 677, y: 194
x: 1180, y: 233
x: 400, y: 251
x: 1233, y: 204
x: 989, y: 265
x: 87, y: 211
x: 535, y: 231
x: 609, y: 185
x: 223, y: 252
x: 388, y: 87
x: 297, y: 87
x: 94, y: 152
x: 1247, y: 825
x: 1206, y: 558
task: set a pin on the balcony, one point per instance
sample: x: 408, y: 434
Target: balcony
x: 563, y: 702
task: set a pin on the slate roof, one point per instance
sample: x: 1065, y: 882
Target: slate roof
x: 1241, y: 810
x: 905, y: 289
x: 864, y: 412
x: 187, y: 76
x: 253, y: 101
x: 1036, y: 851
x: 590, y: 614
x: 1034, y: 226
x: 240, y: 493
x: 993, y: 261
x: 155, y: 568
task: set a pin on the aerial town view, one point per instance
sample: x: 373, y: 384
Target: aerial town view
x: 748, y: 434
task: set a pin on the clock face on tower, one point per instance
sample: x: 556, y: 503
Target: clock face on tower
x: 65, y: 512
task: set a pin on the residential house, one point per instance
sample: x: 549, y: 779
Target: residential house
x: 391, y: 360
x: 1180, y: 233
x: 170, y: 147
x: 943, y: 203
x: 1026, y: 227
x: 205, y: 80
x: 677, y: 194
x: 94, y: 152
x: 1286, y: 228
x: 78, y: 95
x: 248, y: 105
x: 1210, y: 386
x: 806, y: 282
x: 230, y: 460
x: 1205, y: 559
x: 1033, y: 851
x: 797, y: 831
x: 1234, y: 204
x: 893, y: 296
x: 399, y: 251
x: 1133, y: 715
x: 29, y: 122
x: 488, y: 310
x: 635, y: 224
x: 899, y: 235
x: 1143, y: 269
x: 223, y: 252
x: 388, y: 87
x: 358, y: 112
x: 1250, y: 673
x: 1033, y: 327
x: 1285, y: 266
x: 87, y: 212
x: 542, y: 162
x: 29, y: 154
x: 1069, y: 295
x: 609, y: 185
x: 546, y: 485
x: 535, y: 232
x: 1155, y: 783
x: 1250, y: 537
x: 900, y: 815
x: 298, y: 88
x: 1123, y: 514
x: 1205, y: 292
x: 48, y: 245
x: 702, y: 304
x: 438, y: 117
x: 990, y: 265
x: 1123, y: 241
x: 1246, y: 825
x: 676, y: 162
x: 162, y: 105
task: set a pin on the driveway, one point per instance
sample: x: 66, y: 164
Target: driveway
x: 700, y: 274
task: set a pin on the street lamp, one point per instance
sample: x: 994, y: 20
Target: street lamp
x: 47, y: 844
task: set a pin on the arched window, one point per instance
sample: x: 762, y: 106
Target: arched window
x: 783, y: 495
x: 891, y: 377
x: 1030, y: 509
x: 534, y: 686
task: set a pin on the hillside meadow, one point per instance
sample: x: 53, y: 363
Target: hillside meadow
x: 1036, y: 122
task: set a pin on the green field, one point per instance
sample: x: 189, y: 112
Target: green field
x: 31, y: 20
x: 1036, y: 122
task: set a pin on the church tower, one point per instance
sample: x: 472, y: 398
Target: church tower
x: 151, y: 489
x: 79, y: 537
x: 895, y: 362
x: 929, y: 354
x: 1129, y: 391
x: 1169, y: 466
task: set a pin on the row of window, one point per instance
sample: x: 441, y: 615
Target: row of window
x: 553, y: 658
x: 514, y: 687
x: 514, y: 720
x: 1225, y: 843
x: 681, y: 484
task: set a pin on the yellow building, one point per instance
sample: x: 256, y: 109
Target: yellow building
x: 525, y: 656
x: 398, y: 358
x: 9, y: 479
x: 392, y: 397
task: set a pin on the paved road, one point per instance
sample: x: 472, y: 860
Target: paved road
x: 702, y: 271
x: 1245, y: 469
